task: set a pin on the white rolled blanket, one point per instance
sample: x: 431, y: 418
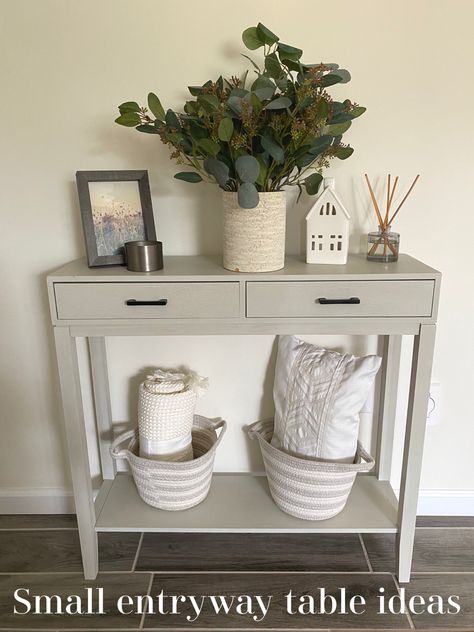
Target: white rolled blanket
x: 166, y: 405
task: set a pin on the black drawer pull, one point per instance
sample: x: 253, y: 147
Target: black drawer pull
x: 160, y: 301
x: 354, y: 300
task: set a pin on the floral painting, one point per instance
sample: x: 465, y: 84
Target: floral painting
x: 117, y: 215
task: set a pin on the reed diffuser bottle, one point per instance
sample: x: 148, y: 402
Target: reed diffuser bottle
x: 383, y: 245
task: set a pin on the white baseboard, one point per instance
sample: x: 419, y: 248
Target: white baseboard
x: 54, y: 500
x: 446, y: 502
x: 36, y: 500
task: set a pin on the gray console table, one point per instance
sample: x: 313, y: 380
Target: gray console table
x: 195, y: 295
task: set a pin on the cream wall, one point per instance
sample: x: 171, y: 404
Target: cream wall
x: 65, y: 65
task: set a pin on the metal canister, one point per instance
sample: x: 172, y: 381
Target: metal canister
x: 144, y: 256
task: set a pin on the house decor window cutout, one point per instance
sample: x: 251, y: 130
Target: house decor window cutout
x: 327, y: 228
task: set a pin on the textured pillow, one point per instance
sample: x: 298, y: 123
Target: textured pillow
x: 318, y: 396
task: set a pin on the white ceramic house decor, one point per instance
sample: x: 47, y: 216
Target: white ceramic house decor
x: 327, y: 228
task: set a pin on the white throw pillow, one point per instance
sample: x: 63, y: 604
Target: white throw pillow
x: 318, y: 396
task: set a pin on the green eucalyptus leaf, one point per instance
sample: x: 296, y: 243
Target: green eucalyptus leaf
x: 263, y: 87
x: 195, y: 90
x: 256, y: 103
x: 288, y: 52
x: 279, y: 104
x: 263, y: 172
x: 305, y: 159
x: 357, y: 111
x: 272, y: 66
x: 320, y: 144
x: 129, y: 119
x: 218, y: 169
x: 251, y: 38
x: 342, y: 117
x: 322, y: 109
x: 335, y: 76
x: 330, y: 79
x: 208, y: 146
x: 186, y: 146
x: 172, y: 119
x: 147, y: 129
x: 226, y: 129
x: 344, y: 74
x: 312, y: 183
x: 247, y: 168
x: 273, y: 148
x: 290, y: 64
x: 174, y: 137
x: 266, y: 35
x: 238, y: 92
x: 337, y: 107
x: 343, y: 152
x: 155, y: 107
x: 197, y: 131
x: 247, y: 195
x: 191, y: 107
x: 262, y: 82
x: 265, y: 158
x: 235, y: 104
x: 282, y: 83
x: 129, y: 106
x: 340, y: 128
x: 209, y: 102
x: 264, y: 93
x: 188, y: 176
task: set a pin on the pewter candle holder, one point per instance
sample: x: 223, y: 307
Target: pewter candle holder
x: 144, y: 256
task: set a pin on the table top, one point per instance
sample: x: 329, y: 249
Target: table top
x: 209, y: 267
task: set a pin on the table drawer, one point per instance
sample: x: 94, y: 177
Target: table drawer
x: 302, y: 299
x: 82, y: 301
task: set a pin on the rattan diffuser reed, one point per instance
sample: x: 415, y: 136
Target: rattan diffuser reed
x: 386, y: 220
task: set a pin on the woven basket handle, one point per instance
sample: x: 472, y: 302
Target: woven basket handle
x: 115, y: 452
x: 219, y: 423
x: 255, y: 429
x: 364, y: 456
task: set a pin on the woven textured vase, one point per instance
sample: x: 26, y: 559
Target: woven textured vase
x: 254, y: 239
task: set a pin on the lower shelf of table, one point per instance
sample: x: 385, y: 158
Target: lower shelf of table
x: 242, y: 503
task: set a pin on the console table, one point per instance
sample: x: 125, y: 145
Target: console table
x: 195, y: 295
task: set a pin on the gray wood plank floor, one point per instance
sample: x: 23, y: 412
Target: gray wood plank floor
x: 43, y: 553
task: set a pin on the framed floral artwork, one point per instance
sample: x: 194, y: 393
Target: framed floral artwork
x: 115, y: 208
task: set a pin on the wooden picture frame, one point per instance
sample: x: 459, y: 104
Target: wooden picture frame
x: 114, y: 213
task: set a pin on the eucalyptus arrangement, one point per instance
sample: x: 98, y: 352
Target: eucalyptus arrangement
x: 280, y: 127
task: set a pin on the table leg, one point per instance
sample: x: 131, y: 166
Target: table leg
x: 69, y: 378
x: 103, y: 413
x: 413, y: 451
x: 388, y: 405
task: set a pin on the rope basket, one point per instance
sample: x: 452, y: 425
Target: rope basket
x: 304, y: 487
x: 174, y: 486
